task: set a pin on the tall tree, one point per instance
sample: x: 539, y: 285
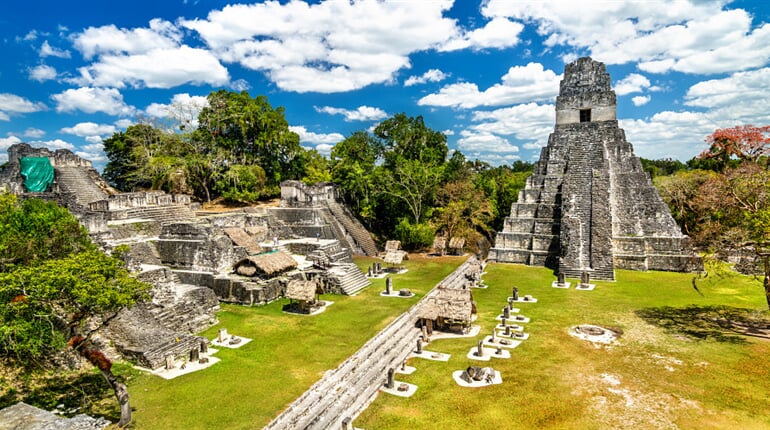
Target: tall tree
x: 48, y: 296
x: 250, y: 131
x: 745, y: 142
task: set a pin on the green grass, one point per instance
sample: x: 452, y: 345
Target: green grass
x: 289, y: 353
x: 557, y: 381
x: 552, y: 380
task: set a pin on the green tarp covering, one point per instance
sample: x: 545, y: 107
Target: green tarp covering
x: 37, y: 172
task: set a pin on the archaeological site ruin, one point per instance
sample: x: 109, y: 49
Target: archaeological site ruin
x: 195, y: 259
x: 589, y: 207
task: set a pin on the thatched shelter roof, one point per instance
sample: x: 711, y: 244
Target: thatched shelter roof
x: 301, y: 290
x: 456, y: 242
x: 240, y: 237
x: 395, y: 257
x: 448, y: 303
x: 392, y: 245
x: 269, y: 264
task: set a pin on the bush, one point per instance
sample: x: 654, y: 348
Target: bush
x: 414, y: 236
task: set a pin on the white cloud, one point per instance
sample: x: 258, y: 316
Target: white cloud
x: 448, y: 132
x: 157, y: 68
x: 111, y: 40
x: 42, y: 73
x: 362, y: 113
x: 53, y: 144
x: 306, y: 136
x: 432, y: 75
x: 7, y: 142
x: 92, y: 100
x: 11, y: 104
x: 520, y: 85
x: 328, y: 47
x: 742, y: 98
x: 49, y: 51
x: 525, y: 122
x: 677, y: 135
x: 497, y: 33
x: 93, y: 152
x: 633, y: 83
x: 483, y: 142
x: 640, y: 100
x: 34, y: 133
x: 183, y: 108
x: 686, y: 36
x: 124, y: 123
x: 85, y: 129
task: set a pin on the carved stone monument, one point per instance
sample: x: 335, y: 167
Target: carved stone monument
x: 589, y: 204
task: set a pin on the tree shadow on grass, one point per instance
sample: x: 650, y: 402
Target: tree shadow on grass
x: 720, y: 323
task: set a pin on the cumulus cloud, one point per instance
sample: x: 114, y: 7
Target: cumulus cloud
x: 327, y: 47
x: 633, y: 83
x: 521, y: 84
x: 53, y: 144
x: 477, y: 142
x: 157, y: 68
x: 92, y: 100
x: 42, y: 73
x: 640, y: 100
x: 362, y: 113
x: 112, y: 40
x: 34, y: 133
x: 432, y: 75
x: 686, y: 36
x: 741, y: 98
x: 11, y: 104
x: 321, y: 142
x: 306, y: 136
x: 497, y: 33
x: 183, y: 108
x: 7, y: 142
x: 85, y: 129
x: 525, y: 122
x: 93, y: 152
x: 46, y: 50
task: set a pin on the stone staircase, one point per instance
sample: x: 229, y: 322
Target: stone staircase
x: 347, y: 278
x: 162, y: 214
x: 343, y: 393
x: 78, y: 181
x: 354, y: 228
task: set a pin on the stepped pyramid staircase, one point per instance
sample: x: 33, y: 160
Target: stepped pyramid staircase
x: 78, y: 181
x: 347, y: 278
x: 353, y: 228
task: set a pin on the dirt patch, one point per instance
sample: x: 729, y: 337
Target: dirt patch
x: 619, y: 407
x: 595, y: 334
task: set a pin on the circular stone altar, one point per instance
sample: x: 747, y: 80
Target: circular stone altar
x: 593, y: 333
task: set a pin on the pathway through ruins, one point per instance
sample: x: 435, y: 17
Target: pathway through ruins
x: 343, y: 393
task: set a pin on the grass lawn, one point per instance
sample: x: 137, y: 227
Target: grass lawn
x: 651, y: 378
x: 288, y: 354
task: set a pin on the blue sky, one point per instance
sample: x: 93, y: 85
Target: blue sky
x: 486, y: 73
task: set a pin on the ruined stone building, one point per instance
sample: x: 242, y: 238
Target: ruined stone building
x: 195, y: 259
x: 589, y: 206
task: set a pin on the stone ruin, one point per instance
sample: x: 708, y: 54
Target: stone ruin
x: 589, y: 206
x: 197, y: 261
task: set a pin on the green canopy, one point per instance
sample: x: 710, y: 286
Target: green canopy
x: 38, y: 173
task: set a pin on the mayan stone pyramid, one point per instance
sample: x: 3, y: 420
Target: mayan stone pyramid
x: 589, y: 206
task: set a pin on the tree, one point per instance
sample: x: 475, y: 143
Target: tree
x: 681, y: 192
x: 35, y: 230
x: 462, y: 212
x: 414, y: 183
x: 353, y: 164
x: 250, y: 131
x: 745, y: 142
x: 48, y: 296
